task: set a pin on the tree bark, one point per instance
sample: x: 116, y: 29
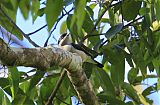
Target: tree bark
x: 46, y: 57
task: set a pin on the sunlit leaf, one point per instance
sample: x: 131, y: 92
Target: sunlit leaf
x: 63, y: 27
x: 3, y: 98
x: 14, y: 76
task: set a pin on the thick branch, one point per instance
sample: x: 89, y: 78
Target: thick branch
x: 46, y: 57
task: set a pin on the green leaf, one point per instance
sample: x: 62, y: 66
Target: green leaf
x: 111, y: 17
x: 41, y: 12
x: 117, y: 65
x: 110, y: 100
x: 47, y: 87
x: 88, y: 24
x: 63, y: 27
x: 157, y: 8
x: 7, y: 4
x: 35, y: 79
x: 24, y: 6
x: 90, y: 11
x: 14, y: 76
x: 137, y: 56
x: 117, y: 72
x: 143, y: 11
x: 149, y: 90
x: 106, y: 83
x: 3, y: 98
x: 24, y: 86
x: 53, y: 10
x: 79, y: 14
x: 4, y: 83
x: 7, y: 24
x: 129, y: 90
x: 132, y: 74
x: 114, y: 30
x: 21, y: 99
x: 129, y: 59
x: 34, y: 9
x: 72, y: 30
x: 130, y: 9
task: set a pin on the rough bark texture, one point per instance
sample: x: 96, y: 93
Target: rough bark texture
x: 46, y: 57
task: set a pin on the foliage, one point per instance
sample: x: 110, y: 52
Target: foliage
x: 132, y: 38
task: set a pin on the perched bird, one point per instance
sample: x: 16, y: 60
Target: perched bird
x: 66, y: 44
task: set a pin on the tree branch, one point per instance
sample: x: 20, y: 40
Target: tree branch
x: 46, y: 57
x: 124, y: 27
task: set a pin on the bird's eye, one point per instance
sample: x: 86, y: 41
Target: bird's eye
x: 63, y: 35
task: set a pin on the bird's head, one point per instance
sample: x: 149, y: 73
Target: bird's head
x: 64, y: 39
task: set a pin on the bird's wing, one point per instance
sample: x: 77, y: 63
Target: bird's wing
x: 86, y: 51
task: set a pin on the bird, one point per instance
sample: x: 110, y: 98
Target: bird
x: 66, y: 44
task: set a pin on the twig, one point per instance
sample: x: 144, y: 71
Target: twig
x: 27, y: 37
x: 87, y: 36
x: 93, y: 35
x: 124, y: 27
x: 36, y: 30
x: 53, y: 94
x: 45, y: 44
x: 100, y: 17
x: 97, y: 22
x: 103, y: 43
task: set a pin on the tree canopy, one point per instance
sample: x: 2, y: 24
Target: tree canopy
x: 119, y: 31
